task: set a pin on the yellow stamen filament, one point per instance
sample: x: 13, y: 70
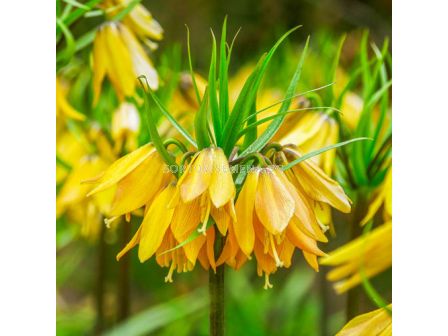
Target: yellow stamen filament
x: 169, y: 277
x: 128, y: 217
x: 267, y: 283
x: 278, y: 262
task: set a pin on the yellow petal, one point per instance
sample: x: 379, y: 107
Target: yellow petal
x: 319, y: 186
x: 303, y: 211
x: 155, y: 223
x: 140, y: 186
x: 222, y: 188
x: 273, y: 203
x: 100, y: 63
x: 122, y: 167
x: 301, y: 240
x: 244, y: 227
x: 372, y: 323
x: 134, y: 241
x: 311, y: 260
x: 186, y: 219
x: 197, y: 176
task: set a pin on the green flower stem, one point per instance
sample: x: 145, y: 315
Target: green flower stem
x: 356, y: 299
x: 124, y: 276
x: 100, y: 279
x: 216, y: 292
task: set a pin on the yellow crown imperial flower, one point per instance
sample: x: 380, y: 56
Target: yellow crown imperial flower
x: 377, y: 322
x: 273, y: 217
x: 370, y: 254
x: 208, y: 180
x: 312, y: 130
x: 137, y: 176
x: 118, y: 55
x: 167, y: 223
x: 125, y: 127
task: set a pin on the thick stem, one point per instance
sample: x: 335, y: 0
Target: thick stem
x: 123, y: 277
x: 355, y: 296
x: 216, y: 292
x: 99, y: 290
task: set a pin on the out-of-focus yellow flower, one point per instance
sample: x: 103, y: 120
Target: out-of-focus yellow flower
x: 125, y: 127
x: 139, y: 20
x: 351, y: 109
x: 312, y: 130
x: 118, y: 55
x: 183, y: 105
x: 138, y: 177
x: 63, y: 107
x: 71, y: 199
x: 383, y: 197
x: 370, y: 254
x: 274, y: 217
x: 70, y: 150
x: 374, y: 323
x: 167, y: 223
x: 208, y: 179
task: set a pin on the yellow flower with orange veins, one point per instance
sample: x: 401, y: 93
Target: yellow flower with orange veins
x: 208, y: 181
x: 368, y: 255
x: 167, y: 223
x: 137, y: 177
x: 118, y: 55
x: 374, y: 323
x: 273, y: 218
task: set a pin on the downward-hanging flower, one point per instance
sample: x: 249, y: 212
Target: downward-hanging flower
x: 139, y: 20
x: 273, y: 218
x: 71, y: 199
x: 367, y: 255
x: 377, y: 322
x: 137, y: 176
x: 167, y: 223
x: 125, y: 127
x: 118, y: 55
x: 208, y: 180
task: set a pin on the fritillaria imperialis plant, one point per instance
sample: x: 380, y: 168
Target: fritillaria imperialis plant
x: 226, y: 195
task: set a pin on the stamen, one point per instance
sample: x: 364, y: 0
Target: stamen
x: 169, y: 277
x: 267, y: 283
x: 128, y: 217
x: 278, y: 262
x: 109, y: 221
x: 203, y: 227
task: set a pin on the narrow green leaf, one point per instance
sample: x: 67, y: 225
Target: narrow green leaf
x: 320, y: 151
x: 235, y: 122
x: 250, y: 126
x: 251, y: 132
x: 190, y: 64
x: 201, y: 123
x: 129, y: 7
x: 152, y: 128
x: 364, y: 56
x: 213, y: 99
x: 172, y: 120
x: 275, y: 125
x: 334, y: 67
x: 223, y: 77
x: 195, y: 234
x: 70, y: 47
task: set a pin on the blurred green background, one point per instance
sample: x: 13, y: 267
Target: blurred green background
x: 302, y: 302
